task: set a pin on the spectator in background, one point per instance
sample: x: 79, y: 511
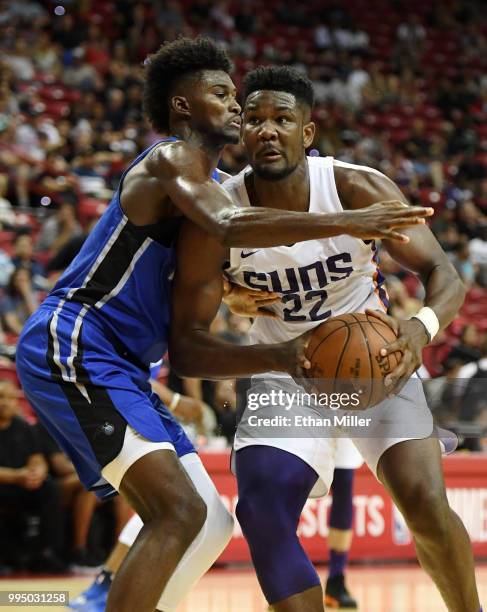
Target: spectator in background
x: 245, y: 21
x: 79, y: 74
x: 25, y: 490
x: 46, y: 54
x: 8, y: 218
x: 356, y: 81
x: 473, y: 403
x: 467, y: 349
x: 58, y: 229
x: 170, y: 15
x: 470, y: 220
x: 443, y: 392
x: 478, y: 256
x: 28, y: 138
x: 20, y: 300
x: 449, y: 239
x: 23, y: 257
x: 463, y: 264
x: 6, y: 269
x: 79, y: 501
x: 20, y: 61
x: 220, y: 13
x: 56, y: 181
x: 411, y: 36
x: 91, y: 180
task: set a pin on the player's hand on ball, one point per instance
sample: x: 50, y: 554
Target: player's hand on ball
x: 411, y: 338
x: 295, y: 361
x: 383, y: 219
x: 249, y: 302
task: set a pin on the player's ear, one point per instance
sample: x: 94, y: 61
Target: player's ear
x: 308, y: 134
x: 180, y: 106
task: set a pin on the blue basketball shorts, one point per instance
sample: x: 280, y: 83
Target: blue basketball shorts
x: 86, y: 395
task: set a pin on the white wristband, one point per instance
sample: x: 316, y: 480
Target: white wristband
x: 428, y: 318
x: 174, y: 402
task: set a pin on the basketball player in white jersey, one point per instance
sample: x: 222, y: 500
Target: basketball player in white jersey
x: 319, y: 279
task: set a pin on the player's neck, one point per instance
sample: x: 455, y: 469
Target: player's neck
x: 211, y: 149
x: 290, y: 193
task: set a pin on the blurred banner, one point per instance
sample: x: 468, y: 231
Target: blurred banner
x: 380, y: 532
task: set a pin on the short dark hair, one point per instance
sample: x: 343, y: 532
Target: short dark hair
x: 280, y: 78
x: 173, y: 61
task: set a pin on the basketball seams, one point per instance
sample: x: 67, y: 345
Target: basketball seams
x: 371, y: 365
x: 339, y: 356
x: 344, y: 348
x: 310, y: 357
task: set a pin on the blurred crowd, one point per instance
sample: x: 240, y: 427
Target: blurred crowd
x: 406, y: 94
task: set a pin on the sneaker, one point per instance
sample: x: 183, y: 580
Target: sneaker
x: 337, y: 595
x: 96, y: 593
x: 83, y: 561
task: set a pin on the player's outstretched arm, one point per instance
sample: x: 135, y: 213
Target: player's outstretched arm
x: 423, y: 255
x: 196, y: 296
x: 182, y: 172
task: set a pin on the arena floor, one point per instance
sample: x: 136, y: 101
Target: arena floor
x: 378, y: 589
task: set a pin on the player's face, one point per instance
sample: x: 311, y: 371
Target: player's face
x: 214, y: 107
x: 274, y: 133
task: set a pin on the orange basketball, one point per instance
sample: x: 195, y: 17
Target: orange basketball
x: 345, y: 356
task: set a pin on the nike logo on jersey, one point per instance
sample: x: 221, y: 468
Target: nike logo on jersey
x: 244, y: 255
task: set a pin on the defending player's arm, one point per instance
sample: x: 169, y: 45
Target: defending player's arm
x: 182, y: 174
x: 196, y: 296
x: 422, y: 255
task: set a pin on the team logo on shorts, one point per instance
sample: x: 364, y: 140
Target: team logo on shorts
x: 108, y: 429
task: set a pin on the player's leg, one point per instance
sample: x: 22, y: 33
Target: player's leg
x: 159, y: 490
x: 199, y: 557
x: 412, y: 473
x: 273, y: 486
x: 84, y: 506
x: 96, y: 594
x: 207, y: 546
x: 340, y: 539
x: 400, y: 449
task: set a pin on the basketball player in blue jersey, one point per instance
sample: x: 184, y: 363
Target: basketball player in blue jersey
x: 83, y: 357
x: 277, y: 474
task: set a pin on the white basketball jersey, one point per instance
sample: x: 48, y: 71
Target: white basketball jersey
x: 317, y: 279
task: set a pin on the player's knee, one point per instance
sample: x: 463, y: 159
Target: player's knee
x: 259, y: 517
x: 225, y: 521
x: 191, y: 516
x: 244, y: 512
x: 248, y: 514
x: 183, y: 515
x: 425, y: 508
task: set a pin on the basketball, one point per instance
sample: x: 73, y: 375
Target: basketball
x: 345, y: 356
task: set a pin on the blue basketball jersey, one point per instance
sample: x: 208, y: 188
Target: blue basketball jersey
x: 83, y: 357
x: 121, y: 281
